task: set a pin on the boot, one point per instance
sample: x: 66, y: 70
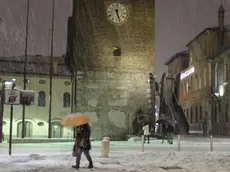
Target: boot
x: 90, y: 165
x: 76, y: 166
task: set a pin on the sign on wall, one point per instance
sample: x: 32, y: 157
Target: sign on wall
x: 12, y: 97
x: 187, y: 73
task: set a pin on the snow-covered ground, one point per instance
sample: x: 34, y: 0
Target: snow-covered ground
x: 124, y: 157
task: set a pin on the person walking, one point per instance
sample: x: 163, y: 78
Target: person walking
x: 170, y: 132
x: 146, y: 133
x: 163, y: 131
x: 84, y: 145
x: 205, y: 125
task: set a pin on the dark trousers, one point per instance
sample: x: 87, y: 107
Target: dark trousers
x: 163, y: 134
x: 170, y: 137
x: 87, y: 155
x: 146, y: 137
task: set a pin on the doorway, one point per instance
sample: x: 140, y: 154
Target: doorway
x: 57, y: 130
x: 28, y: 131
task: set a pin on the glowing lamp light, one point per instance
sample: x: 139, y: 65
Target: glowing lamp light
x: 8, y: 83
x: 221, y: 90
x: 156, y: 113
x: 187, y: 73
x: 217, y: 94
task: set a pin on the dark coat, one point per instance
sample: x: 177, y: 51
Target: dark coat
x: 84, y: 139
x: 170, y: 129
x: 163, y: 128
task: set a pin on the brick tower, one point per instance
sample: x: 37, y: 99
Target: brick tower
x: 111, y: 45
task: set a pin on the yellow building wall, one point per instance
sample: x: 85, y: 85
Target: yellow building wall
x: 35, y: 113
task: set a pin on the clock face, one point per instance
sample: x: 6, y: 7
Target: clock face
x: 117, y: 13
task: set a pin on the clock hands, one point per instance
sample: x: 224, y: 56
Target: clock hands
x: 116, y: 10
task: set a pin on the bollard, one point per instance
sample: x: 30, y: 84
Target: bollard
x: 108, y: 139
x: 105, y: 147
x: 142, y: 143
x: 178, y: 143
x: 211, y: 143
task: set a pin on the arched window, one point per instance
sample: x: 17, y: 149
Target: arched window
x: 216, y: 75
x: 225, y: 70
x: 66, y: 99
x: 28, y: 130
x: 41, y: 98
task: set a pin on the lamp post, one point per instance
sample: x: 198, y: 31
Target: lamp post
x: 1, y: 109
x: 51, y: 73
x: 25, y: 65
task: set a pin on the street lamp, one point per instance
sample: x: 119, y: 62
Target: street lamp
x: 5, y: 84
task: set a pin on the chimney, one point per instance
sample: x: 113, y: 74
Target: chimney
x: 221, y: 12
x: 221, y: 26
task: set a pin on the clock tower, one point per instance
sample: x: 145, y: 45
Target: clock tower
x: 112, y: 54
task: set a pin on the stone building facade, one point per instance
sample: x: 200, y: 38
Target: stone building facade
x: 196, y: 80
x: 36, y: 116
x: 221, y: 93
x: 112, y: 52
x: 177, y: 63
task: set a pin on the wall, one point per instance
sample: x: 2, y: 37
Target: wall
x: 220, y: 113
x: 35, y: 113
x: 199, y: 82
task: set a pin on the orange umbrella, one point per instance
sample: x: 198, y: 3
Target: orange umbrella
x: 74, y: 120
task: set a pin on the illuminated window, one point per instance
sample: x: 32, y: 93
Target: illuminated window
x: 225, y: 69
x: 196, y: 83
x: 216, y: 75
x: 191, y: 84
x: 187, y: 86
x: 191, y: 58
x: 209, y: 74
x: 199, y: 82
x: 205, y: 77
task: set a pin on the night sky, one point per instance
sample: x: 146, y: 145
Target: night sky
x: 177, y: 22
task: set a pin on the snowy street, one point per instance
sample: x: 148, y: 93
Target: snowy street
x: 195, y: 156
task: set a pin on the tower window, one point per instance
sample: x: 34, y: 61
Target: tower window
x: 116, y: 51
